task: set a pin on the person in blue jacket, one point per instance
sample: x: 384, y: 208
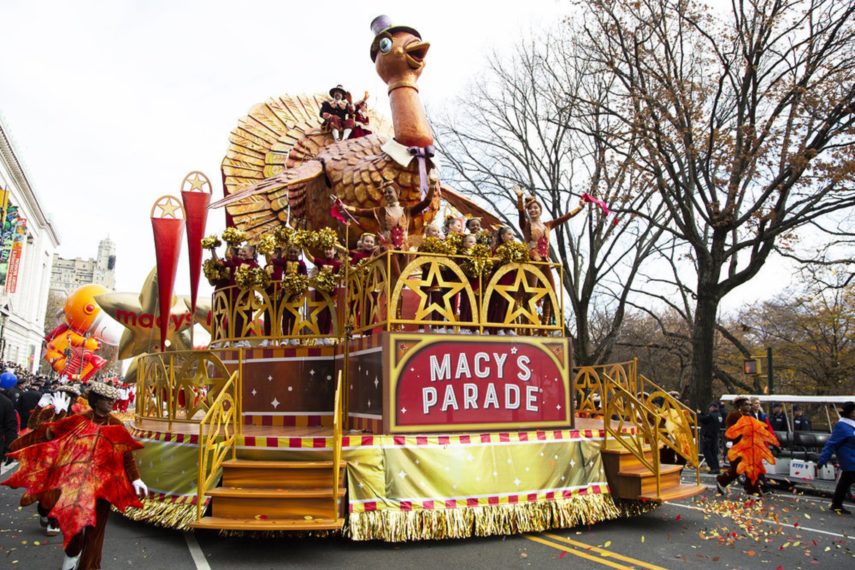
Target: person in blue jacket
x: 842, y: 444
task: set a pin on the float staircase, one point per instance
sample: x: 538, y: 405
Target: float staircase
x: 276, y: 495
x: 643, y: 422
x: 630, y: 478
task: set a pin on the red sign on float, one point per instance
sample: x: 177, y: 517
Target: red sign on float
x: 442, y: 384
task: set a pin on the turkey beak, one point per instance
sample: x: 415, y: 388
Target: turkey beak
x: 416, y: 52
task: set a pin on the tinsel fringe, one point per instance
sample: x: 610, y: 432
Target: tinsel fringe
x: 399, y: 526
x: 160, y: 513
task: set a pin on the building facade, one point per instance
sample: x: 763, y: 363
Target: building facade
x: 28, y: 242
x: 69, y: 274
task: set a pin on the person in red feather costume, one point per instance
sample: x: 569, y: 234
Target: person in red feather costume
x: 88, y: 458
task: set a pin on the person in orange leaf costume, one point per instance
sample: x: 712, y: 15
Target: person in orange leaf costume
x: 752, y: 470
x: 83, y: 547
x: 51, y: 408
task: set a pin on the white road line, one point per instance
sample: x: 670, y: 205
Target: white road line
x: 196, y: 552
x: 768, y: 521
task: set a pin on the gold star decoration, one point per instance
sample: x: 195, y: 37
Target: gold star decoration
x: 139, y: 313
x: 435, y: 278
x: 196, y: 182
x: 526, y: 308
x: 167, y: 207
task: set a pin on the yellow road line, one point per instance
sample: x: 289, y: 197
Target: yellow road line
x: 604, y: 552
x: 579, y: 553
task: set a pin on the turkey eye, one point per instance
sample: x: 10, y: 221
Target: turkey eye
x: 385, y: 45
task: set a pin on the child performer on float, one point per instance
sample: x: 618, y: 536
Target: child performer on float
x: 467, y: 311
x: 328, y: 265
x: 497, y: 310
x: 275, y: 269
x: 454, y: 236
x: 536, y: 234
x: 482, y: 236
x: 294, y: 266
x: 432, y: 242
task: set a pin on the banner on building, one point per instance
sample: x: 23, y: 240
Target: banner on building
x: 19, y: 237
x: 8, y: 227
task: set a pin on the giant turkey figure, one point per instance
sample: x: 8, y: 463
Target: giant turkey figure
x: 355, y: 171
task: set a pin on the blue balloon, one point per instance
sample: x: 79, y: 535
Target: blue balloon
x: 8, y: 380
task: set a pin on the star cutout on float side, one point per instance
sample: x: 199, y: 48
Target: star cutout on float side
x: 421, y: 288
x: 527, y: 309
x: 275, y: 403
x: 139, y: 313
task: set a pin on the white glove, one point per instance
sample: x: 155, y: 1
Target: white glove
x: 45, y: 401
x: 61, y: 402
x: 140, y: 488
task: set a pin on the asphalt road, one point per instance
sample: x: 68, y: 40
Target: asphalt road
x: 781, y: 532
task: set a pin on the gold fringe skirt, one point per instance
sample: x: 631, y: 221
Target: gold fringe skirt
x: 400, y: 526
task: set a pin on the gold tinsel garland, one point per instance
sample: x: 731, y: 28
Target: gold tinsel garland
x: 283, y: 234
x: 484, y: 237
x: 267, y: 244
x: 436, y: 245
x: 399, y: 526
x: 234, y: 236
x: 455, y: 243
x: 214, y: 270
x: 295, y: 284
x: 325, y: 281
x: 211, y: 242
x: 478, y: 262
x: 163, y: 513
x: 512, y: 252
x: 247, y: 277
x: 325, y: 238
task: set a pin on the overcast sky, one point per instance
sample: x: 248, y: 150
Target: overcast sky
x: 111, y: 103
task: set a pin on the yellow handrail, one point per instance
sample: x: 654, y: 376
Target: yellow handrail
x: 222, y: 421
x: 337, y: 428
x: 622, y: 407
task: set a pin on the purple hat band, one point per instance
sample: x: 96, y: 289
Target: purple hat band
x: 380, y: 23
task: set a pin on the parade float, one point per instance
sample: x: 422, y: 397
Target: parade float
x: 416, y: 392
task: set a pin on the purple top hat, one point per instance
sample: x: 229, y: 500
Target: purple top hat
x: 382, y: 25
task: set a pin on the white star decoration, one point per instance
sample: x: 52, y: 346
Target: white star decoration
x: 376, y: 382
x: 254, y: 392
x: 275, y: 403
x: 402, y: 474
x: 558, y: 406
x: 369, y: 403
x: 269, y: 378
x: 290, y: 388
x: 514, y: 350
x: 572, y: 463
x: 312, y: 371
x: 403, y: 410
x: 329, y: 376
x: 517, y: 482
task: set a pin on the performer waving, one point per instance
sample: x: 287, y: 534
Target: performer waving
x: 536, y: 234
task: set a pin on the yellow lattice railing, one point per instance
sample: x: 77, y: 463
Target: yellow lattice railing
x: 270, y: 313
x: 178, y: 386
x: 217, y: 438
x: 338, y: 420
x: 431, y: 291
x: 676, y: 425
x: 633, y: 425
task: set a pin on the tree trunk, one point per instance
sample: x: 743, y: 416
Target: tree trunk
x: 703, y: 337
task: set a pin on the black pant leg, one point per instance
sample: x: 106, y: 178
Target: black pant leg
x: 847, y: 478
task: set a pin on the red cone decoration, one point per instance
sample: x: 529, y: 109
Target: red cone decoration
x: 167, y: 222
x: 196, y: 195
